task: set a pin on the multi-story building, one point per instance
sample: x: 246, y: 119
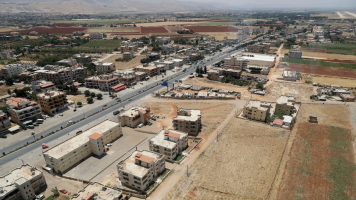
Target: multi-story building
x: 149, y: 70
x: 216, y: 74
x: 234, y: 61
x: 242, y: 34
x: 128, y: 48
x: 167, y: 65
x: 59, y: 74
x: 285, y: 105
x: 42, y: 86
x: 4, y: 121
x: 12, y: 70
x: 22, y: 183
x: 105, y: 67
x: 259, y: 48
x: 82, y: 58
x: 97, y: 36
x: 169, y: 143
x: 134, y: 116
x: 52, y: 101
x: 102, y: 82
x: 90, y: 142
x: 127, y: 55
x: 257, y: 31
x: 163, y: 40
x: 291, y: 75
x: 257, y: 110
x: 23, y: 111
x: 140, y: 168
x: 295, y: 54
x: 70, y: 62
x: 98, y: 191
x: 188, y: 121
x: 7, y: 54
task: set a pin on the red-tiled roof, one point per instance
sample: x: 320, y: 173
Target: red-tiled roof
x: 143, y: 158
x: 142, y: 111
x: 95, y: 136
x: 278, y: 122
x: 169, y: 133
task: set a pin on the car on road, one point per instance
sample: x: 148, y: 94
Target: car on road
x: 118, y: 100
x: 140, y: 125
x: 108, y: 144
x: 3, y: 136
x: 79, y: 132
x: 60, y: 114
x: 105, y: 105
x: 63, y: 191
x: 130, y: 99
x: 116, y: 112
x: 44, y: 146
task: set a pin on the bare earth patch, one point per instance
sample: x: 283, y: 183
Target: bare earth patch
x: 4, y: 88
x: 131, y: 64
x: 241, y: 165
x: 334, y: 81
x: 300, y: 91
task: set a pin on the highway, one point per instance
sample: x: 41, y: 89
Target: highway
x: 126, y: 99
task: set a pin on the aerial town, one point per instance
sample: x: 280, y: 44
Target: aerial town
x: 129, y: 104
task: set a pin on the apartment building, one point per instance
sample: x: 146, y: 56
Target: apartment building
x: 52, y: 102
x: 291, y: 75
x: 285, y: 105
x: 82, y: 58
x: 242, y: 34
x: 91, y: 142
x: 102, y: 82
x: 257, y: 110
x: 235, y: 61
x: 7, y: 54
x: 98, y: 191
x: 259, y: 48
x: 21, y: 183
x: 128, y: 48
x: 127, y: 55
x: 4, y: 121
x: 105, y: 67
x: 216, y: 74
x: 167, y: 65
x: 70, y: 62
x: 257, y: 31
x: 140, y: 168
x: 149, y: 70
x: 170, y: 143
x: 96, y: 36
x: 12, y: 70
x: 42, y: 86
x: 134, y: 116
x: 163, y: 40
x: 23, y: 111
x: 295, y: 54
x: 59, y: 74
x: 188, y: 121
x: 177, y: 62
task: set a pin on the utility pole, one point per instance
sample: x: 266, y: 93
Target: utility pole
x: 187, y: 172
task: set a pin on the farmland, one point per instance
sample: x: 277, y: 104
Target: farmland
x: 57, y: 30
x: 102, y: 44
x: 93, y: 46
x: 153, y: 30
x: 241, y: 165
x: 348, y: 49
x: 320, y: 164
x: 320, y: 70
x: 212, y: 28
x: 99, y: 21
x: 334, y: 81
x: 114, y: 29
x: 320, y: 63
x: 320, y: 55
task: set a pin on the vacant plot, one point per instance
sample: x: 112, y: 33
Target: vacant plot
x: 320, y: 70
x: 321, y: 164
x: 334, y: 81
x: 4, y: 88
x: 300, y: 91
x: 212, y: 113
x: 241, y: 165
x: 212, y: 28
x: 79, y: 98
x: 153, y: 30
x: 348, y: 49
x: 172, y: 23
x: 56, y: 30
x: 320, y: 63
x: 329, y: 55
x: 114, y: 29
x: 128, y: 65
x: 220, y: 35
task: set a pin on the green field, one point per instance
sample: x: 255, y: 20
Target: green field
x: 93, y: 46
x: 102, y: 44
x: 100, y: 21
x: 320, y: 63
x: 112, y: 29
x: 348, y: 49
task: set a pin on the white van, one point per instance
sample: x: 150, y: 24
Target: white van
x: 39, y: 121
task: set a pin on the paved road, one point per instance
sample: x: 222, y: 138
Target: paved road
x: 126, y: 99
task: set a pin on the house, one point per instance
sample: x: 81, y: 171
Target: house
x: 135, y: 116
x: 148, y: 69
x: 7, y: 54
x: 257, y: 110
x: 295, y: 54
x: 285, y: 105
x: 287, y: 120
x: 42, y: 86
x: 23, y: 111
x: 78, y: 148
x: 259, y: 48
x: 291, y: 75
x: 188, y: 121
x: 82, y: 58
x: 140, y: 169
x: 96, y: 36
x: 170, y: 143
x: 5, y: 121
x: 128, y: 55
x: 95, y: 190
x: 105, y: 67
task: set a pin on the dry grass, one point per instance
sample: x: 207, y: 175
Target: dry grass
x: 300, y: 91
x: 324, y: 55
x: 212, y: 113
x: 241, y: 165
x: 334, y: 81
x: 164, y: 24
x: 131, y: 64
x: 220, y: 35
x: 4, y: 88
x: 5, y: 29
x: 79, y: 98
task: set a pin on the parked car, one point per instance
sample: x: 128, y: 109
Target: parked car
x: 116, y: 112
x: 108, y: 144
x: 79, y: 132
x: 130, y: 99
x: 60, y: 114
x: 105, y: 105
x: 44, y: 146
x: 35, y: 124
x: 140, y: 125
x: 118, y: 100
x: 3, y: 136
x: 63, y: 191
x: 40, y: 197
x: 30, y: 126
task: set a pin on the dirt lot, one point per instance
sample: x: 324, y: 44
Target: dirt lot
x: 300, y: 91
x: 321, y: 70
x: 334, y: 81
x: 241, y: 165
x: 164, y: 23
x: 212, y: 113
x: 220, y: 35
x: 212, y: 28
x: 320, y: 164
x: 4, y: 88
x: 79, y: 98
x: 153, y: 30
x: 125, y: 65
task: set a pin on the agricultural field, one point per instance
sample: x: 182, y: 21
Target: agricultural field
x: 319, y: 63
x: 57, y: 30
x: 299, y: 91
x: 321, y: 160
x: 220, y: 35
x: 212, y: 113
x: 99, y: 21
x: 218, y: 23
x: 242, y: 164
x: 212, y: 28
x: 320, y: 55
x: 153, y: 30
x: 320, y: 70
x: 347, y: 49
x: 334, y: 81
x: 114, y: 29
x: 102, y: 44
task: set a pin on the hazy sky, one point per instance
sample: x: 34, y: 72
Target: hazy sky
x: 348, y: 4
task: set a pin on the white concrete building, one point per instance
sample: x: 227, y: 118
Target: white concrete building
x: 105, y: 67
x: 96, y: 35
x: 295, y: 54
x: 140, y: 169
x: 188, y: 121
x: 23, y: 111
x: 98, y: 191
x: 291, y: 75
x: 134, y: 116
x: 11, y: 70
x: 169, y: 143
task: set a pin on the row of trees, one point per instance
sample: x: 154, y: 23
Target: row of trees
x: 87, y: 93
x: 185, y: 32
x: 234, y: 81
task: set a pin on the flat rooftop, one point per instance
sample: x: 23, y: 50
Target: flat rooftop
x: 97, y: 188
x: 289, y: 100
x: 160, y: 141
x: 129, y: 165
x: 79, y: 140
x: 18, y: 175
x: 133, y: 111
x: 260, y: 105
x: 192, y: 115
x: 261, y: 57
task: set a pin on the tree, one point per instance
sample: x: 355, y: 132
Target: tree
x: 9, y: 91
x: 73, y: 89
x: 90, y: 100
x: 87, y: 93
x: 197, y: 70
x: 92, y: 95
x: 79, y: 104
x: 55, y: 191
x: 99, y: 96
x: 205, y: 70
x: 9, y: 81
x: 260, y: 86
